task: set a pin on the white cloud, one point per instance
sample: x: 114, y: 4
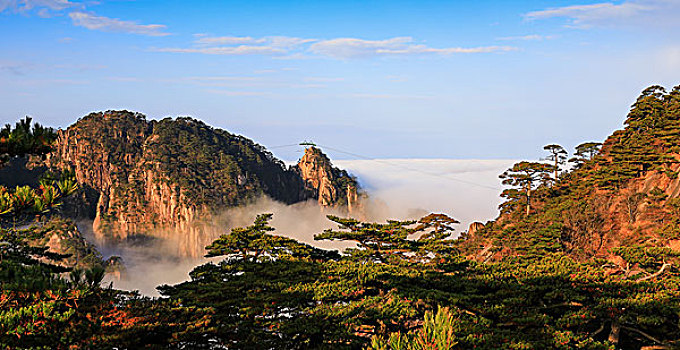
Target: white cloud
x: 106, y: 24
x: 41, y: 5
x: 271, y: 41
x: 224, y: 40
x: 655, y: 12
x: 468, y: 190
x: 356, y: 48
x: 286, y: 41
x: 47, y: 8
x: 223, y: 78
x: 529, y: 37
x: 227, y: 50
x: 298, y: 48
x: 240, y: 45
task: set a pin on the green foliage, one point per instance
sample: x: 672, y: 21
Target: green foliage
x: 379, y: 295
x: 585, y: 152
x: 214, y: 167
x: 525, y: 177
x: 25, y: 138
x: 557, y: 156
x: 537, y: 281
x: 437, y: 333
x: 393, y: 242
x: 25, y: 201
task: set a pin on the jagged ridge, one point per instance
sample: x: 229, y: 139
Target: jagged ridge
x: 173, y: 173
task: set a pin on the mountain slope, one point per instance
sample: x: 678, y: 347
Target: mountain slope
x: 168, y: 175
x: 627, y: 195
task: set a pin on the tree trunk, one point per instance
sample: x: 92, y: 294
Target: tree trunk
x: 528, y: 199
x: 614, y: 334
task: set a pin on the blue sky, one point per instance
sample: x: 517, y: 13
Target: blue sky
x: 388, y: 79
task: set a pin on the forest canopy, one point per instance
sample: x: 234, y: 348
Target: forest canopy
x: 581, y: 257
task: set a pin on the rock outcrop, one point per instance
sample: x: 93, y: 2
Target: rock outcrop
x: 62, y: 236
x: 332, y: 187
x: 174, y: 175
x: 474, y: 228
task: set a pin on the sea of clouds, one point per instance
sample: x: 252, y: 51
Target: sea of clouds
x: 467, y: 190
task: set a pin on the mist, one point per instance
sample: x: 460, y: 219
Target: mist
x: 467, y: 190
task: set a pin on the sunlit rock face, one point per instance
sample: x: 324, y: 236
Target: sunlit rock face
x: 172, y: 178
x: 474, y: 228
x: 331, y: 186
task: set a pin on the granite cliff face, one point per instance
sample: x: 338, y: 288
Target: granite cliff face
x: 174, y: 175
x: 332, y: 187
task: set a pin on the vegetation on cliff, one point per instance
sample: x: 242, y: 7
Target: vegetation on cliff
x: 331, y: 186
x: 24, y: 139
x: 172, y: 173
x: 585, y: 258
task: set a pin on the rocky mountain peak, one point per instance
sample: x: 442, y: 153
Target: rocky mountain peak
x: 332, y: 187
x: 175, y: 175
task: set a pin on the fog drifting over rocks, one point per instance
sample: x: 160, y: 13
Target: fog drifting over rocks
x: 467, y: 190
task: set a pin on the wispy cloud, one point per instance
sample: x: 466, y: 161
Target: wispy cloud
x: 41, y: 82
x: 223, y: 78
x: 226, y: 50
x: 656, y: 12
x: 356, y: 48
x: 389, y: 96
x: 225, y: 40
x: 340, y: 48
x: 246, y: 82
x: 529, y: 37
x: 93, y: 22
x: 40, y: 5
x: 238, y: 93
x: 76, y: 11
x: 270, y: 41
x: 241, y: 45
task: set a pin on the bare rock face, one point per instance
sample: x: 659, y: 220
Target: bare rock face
x: 474, y: 228
x: 172, y: 177
x: 62, y: 236
x: 331, y: 186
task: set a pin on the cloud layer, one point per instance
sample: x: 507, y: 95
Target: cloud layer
x: 655, y: 12
x: 528, y: 37
x: 106, y: 24
x: 394, y: 193
x: 340, y: 48
x: 28, y: 5
x: 47, y: 8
